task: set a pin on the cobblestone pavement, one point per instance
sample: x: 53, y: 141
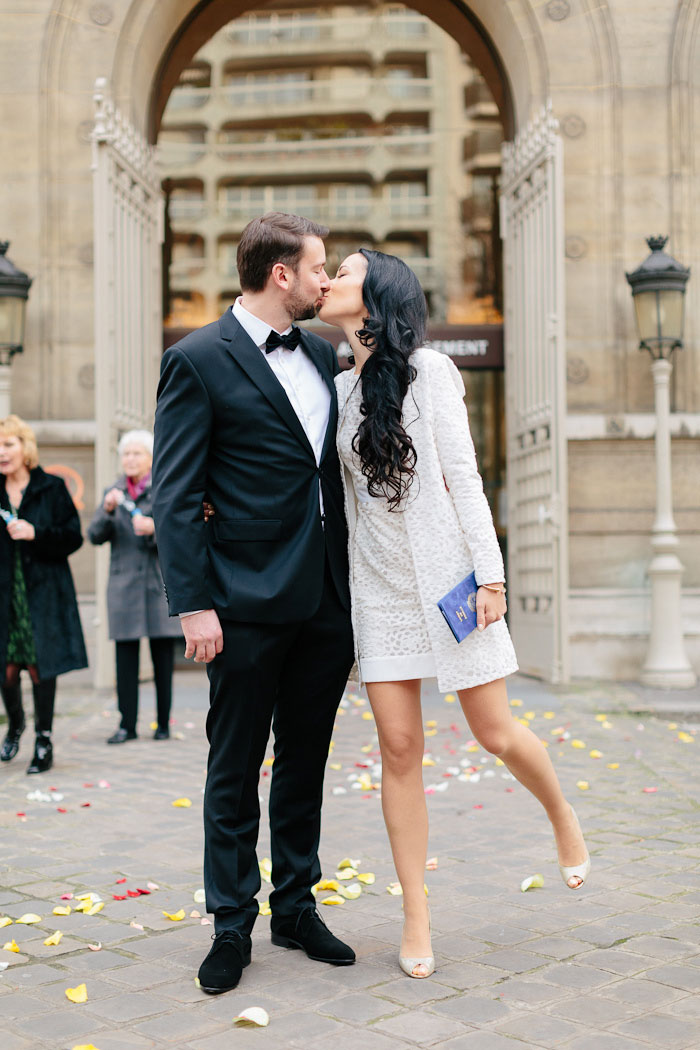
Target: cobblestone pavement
x: 614, y: 966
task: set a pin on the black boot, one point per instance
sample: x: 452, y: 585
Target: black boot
x: 12, y: 697
x: 43, y: 755
x: 44, y: 697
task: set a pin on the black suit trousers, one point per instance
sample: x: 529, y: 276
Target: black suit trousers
x: 290, y: 676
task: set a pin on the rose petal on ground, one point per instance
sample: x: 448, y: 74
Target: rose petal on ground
x: 578, y: 744
x: 253, y: 1015
x: 118, y: 882
x: 153, y: 725
x: 182, y: 803
x: 118, y: 897
x: 450, y: 698
x: 352, y: 891
x: 646, y: 790
x: 366, y: 877
x: 5, y: 921
x: 29, y: 918
x: 687, y: 738
x: 264, y: 908
x: 427, y: 761
x: 66, y: 896
x: 136, y: 925
x: 176, y: 916
x: 104, y: 784
x: 142, y: 893
x: 334, y: 900
x: 340, y: 791
x: 328, y: 884
x: 77, y: 995
x: 613, y: 765
x: 348, y: 862
x: 62, y: 909
x: 95, y: 947
x: 10, y: 946
x: 335, y: 765
x: 153, y: 885
x: 132, y: 893
x: 582, y: 785
x: 595, y: 753
x: 85, y: 1046
x: 54, y: 939
x: 88, y: 897
x: 95, y: 908
x: 548, y: 714
x: 368, y: 716
x: 533, y: 882
x: 395, y: 889
x: 516, y: 703
x: 205, y: 922
x: 431, y: 864
x: 346, y: 874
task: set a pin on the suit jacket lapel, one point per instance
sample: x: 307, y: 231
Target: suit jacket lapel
x: 321, y: 364
x: 250, y: 358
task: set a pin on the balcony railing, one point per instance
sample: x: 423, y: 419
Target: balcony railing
x: 187, y: 208
x: 188, y: 267
x: 371, y: 214
x: 367, y: 152
x: 327, y: 95
x: 255, y: 34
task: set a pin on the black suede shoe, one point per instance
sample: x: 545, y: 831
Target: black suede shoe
x: 221, y: 970
x: 311, y: 934
x: 162, y: 733
x: 121, y: 736
x: 42, y: 760
x: 10, y: 745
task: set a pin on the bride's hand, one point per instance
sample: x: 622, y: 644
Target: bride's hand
x: 490, y: 607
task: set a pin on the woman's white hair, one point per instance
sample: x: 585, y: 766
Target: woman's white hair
x: 144, y: 438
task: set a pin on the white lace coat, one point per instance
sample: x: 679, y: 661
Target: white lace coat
x: 448, y: 521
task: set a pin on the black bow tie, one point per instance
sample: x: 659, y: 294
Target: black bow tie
x: 290, y: 341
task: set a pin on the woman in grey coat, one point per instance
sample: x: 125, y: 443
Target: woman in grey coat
x: 136, y: 602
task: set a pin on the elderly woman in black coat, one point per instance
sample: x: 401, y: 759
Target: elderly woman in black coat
x: 39, y: 623
x: 136, y: 604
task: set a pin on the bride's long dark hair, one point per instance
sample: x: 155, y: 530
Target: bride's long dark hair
x: 394, y: 327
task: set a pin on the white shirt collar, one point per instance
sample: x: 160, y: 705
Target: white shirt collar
x: 257, y: 329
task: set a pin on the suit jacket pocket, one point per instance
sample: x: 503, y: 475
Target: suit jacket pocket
x: 246, y: 530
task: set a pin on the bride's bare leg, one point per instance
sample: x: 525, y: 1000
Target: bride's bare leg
x: 397, y: 712
x: 491, y: 721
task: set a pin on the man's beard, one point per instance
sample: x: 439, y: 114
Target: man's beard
x: 301, y: 309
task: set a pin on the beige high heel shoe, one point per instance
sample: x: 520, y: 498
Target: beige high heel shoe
x: 409, y: 964
x: 576, y: 871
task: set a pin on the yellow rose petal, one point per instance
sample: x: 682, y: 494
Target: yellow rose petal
x: 351, y: 892
x: 85, y: 1046
x: 395, y: 889
x: 582, y: 785
x: 10, y: 946
x: 530, y: 715
x: 548, y: 714
x: 29, y: 918
x: 153, y: 725
x: 431, y: 864
x: 450, y: 698
x: 687, y: 738
x: 177, y: 916
x: 335, y: 765
x: 368, y: 716
x: 534, y: 882
x: 95, y: 908
x: 431, y: 732
x: 334, y: 900
x: 606, y: 725
x: 500, y: 762
x: 182, y: 803
x: 427, y: 761
x: 265, y: 866
x: 253, y: 1015
x: 328, y: 884
x: 613, y: 765
x: 601, y: 718
x: 430, y: 724
x: 346, y: 874
x: 595, y: 753
x: 516, y: 703
x: 264, y: 908
x: 473, y: 747
x: 62, y: 909
x: 673, y: 725
x: 55, y: 938
x: 579, y: 744
x: 269, y: 761
x: 5, y: 921
x: 367, y: 877
x: 348, y: 862
x: 77, y: 995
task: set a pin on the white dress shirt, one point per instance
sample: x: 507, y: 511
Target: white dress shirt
x: 301, y: 381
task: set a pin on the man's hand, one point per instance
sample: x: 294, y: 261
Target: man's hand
x: 21, y: 530
x: 203, y: 636
x: 143, y: 525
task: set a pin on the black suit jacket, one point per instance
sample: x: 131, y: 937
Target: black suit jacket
x: 225, y: 428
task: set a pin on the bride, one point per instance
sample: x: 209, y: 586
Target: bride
x: 419, y: 523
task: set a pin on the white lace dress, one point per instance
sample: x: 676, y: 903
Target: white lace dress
x: 402, y: 562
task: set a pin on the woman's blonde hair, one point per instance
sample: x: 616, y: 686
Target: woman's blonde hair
x: 13, y: 426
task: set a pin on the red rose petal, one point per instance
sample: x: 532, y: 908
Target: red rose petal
x: 116, y: 897
x: 119, y: 881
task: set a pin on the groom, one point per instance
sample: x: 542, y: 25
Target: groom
x: 247, y: 416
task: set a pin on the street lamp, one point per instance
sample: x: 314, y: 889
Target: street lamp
x: 658, y: 289
x: 14, y: 292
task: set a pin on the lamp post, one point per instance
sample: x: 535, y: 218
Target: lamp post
x: 658, y: 289
x: 14, y: 292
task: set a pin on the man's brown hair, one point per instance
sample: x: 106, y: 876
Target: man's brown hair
x: 273, y: 238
